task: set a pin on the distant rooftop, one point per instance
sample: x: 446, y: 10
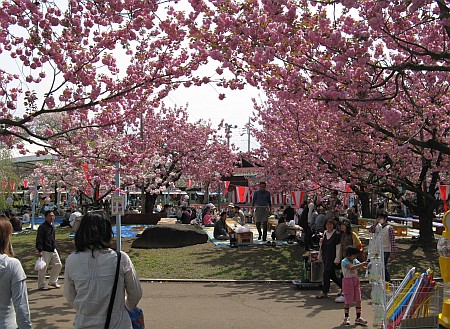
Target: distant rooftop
x: 32, y: 158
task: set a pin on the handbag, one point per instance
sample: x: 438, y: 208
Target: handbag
x: 113, y: 293
x: 137, y: 318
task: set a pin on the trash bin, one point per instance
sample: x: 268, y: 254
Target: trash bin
x: 317, y: 271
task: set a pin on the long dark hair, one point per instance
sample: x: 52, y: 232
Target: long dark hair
x: 94, y: 232
x: 348, y: 226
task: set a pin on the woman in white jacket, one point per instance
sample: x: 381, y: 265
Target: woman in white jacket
x: 90, y: 274
x: 14, y: 309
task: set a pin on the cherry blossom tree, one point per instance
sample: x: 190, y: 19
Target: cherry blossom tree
x: 87, y: 57
x: 379, y: 66
x: 153, y: 152
x: 7, y: 176
x: 171, y: 147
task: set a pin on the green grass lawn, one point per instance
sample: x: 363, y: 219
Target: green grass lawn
x: 207, y: 261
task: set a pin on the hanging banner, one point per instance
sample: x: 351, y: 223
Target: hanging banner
x: 241, y: 194
x: 227, y: 184
x: 249, y: 198
x: 297, y: 198
x: 4, y: 184
x: 346, y: 194
x: 86, y: 173
x: 189, y: 183
x: 25, y: 183
x: 444, y: 189
x: 279, y: 198
x: 12, y: 185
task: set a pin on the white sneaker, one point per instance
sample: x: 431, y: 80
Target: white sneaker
x: 54, y: 285
x: 340, y: 299
x: 360, y: 321
x: 346, y: 321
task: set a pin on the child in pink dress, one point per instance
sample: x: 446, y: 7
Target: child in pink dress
x: 351, y: 286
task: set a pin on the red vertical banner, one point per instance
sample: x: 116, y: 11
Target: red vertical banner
x: 444, y: 189
x: 12, y: 185
x: 86, y: 173
x: 227, y: 184
x: 4, y: 184
x: 241, y: 193
x: 25, y: 183
x: 42, y: 181
x: 189, y: 183
x: 347, y: 194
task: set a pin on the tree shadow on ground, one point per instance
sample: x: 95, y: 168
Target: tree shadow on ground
x: 412, y: 253
x: 288, y: 294
x: 50, y: 316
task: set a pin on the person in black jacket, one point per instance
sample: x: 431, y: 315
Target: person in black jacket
x: 185, y: 215
x: 330, y: 251
x: 46, y: 247
x: 220, y: 228
x: 303, y: 222
x: 289, y: 213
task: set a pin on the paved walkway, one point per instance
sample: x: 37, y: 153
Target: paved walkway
x: 208, y: 305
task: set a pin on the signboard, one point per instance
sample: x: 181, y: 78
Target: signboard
x: 118, y: 205
x: 250, y: 171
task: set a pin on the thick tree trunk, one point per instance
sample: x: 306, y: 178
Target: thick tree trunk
x: 365, y: 204
x: 149, y: 203
x: 425, y: 208
x: 96, y: 201
x: 206, y: 195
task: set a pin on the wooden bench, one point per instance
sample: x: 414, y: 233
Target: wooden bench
x: 437, y: 223
x: 400, y: 220
x: 242, y: 238
x: 438, y: 228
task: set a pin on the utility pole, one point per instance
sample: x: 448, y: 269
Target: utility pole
x: 248, y: 135
x: 143, y: 180
x: 228, y: 128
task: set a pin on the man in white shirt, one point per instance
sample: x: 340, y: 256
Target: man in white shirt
x: 311, y: 213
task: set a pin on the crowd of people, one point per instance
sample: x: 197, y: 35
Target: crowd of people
x: 327, y: 225
x: 90, y: 270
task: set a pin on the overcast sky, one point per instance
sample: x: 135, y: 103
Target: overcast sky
x: 204, y: 103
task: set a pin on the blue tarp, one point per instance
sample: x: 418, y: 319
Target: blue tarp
x: 40, y: 220
x: 127, y: 231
